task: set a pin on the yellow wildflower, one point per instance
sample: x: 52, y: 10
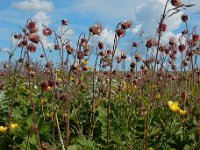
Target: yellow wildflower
x: 158, y: 96
x: 14, y: 125
x: 134, y: 87
x: 71, y: 78
x: 48, y: 88
x: 43, y: 101
x: 173, y: 106
x: 183, y: 112
x: 154, y: 86
x: 3, y: 129
x: 85, y: 62
x: 51, y: 114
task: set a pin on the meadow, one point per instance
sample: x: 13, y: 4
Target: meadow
x: 152, y: 104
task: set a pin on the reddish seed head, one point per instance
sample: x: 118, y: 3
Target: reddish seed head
x: 135, y: 44
x: 132, y: 65
x: 123, y: 55
x: 176, y: 3
x: 173, y: 67
x: 184, y: 18
x: 44, y: 86
x: 184, y: 32
x: 149, y: 43
x: 163, y: 27
x: 84, y: 42
x: 51, y: 83
x: 24, y: 42
x: 195, y: 37
x: 32, y: 48
x: 56, y: 47
x: 34, y: 38
x: 18, y: 36
x: 138, y: 57
x: 64, y: 22
x: 70, y: 50
x: 182, y: 48
x: 42, y: 56
x: 96, y: 29
x: 80, y: 54
x: 32, y: 26
x: 118, y: 59
x: 100, y: 45
x: 47, y: 32
x: 189, y: 53
x: 126, y: 24
x: 120, y: 32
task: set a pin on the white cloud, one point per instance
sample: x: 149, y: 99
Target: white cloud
x: 149, y: 13
x: 107, y: 37
x: 34, y: 5
x: 136, y: 29
x: 169, y: 34
x: 112, y: 9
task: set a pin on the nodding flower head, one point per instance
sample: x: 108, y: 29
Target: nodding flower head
x: 96, y: 29
x: 137, y: 57
x: 32, y: 26
x: 47, y: 32
x: 84, y: 42
x: 121, y: 32
x: 176, y: 3
x: 18, y: 37
x: 126, y: 24
x: 101, y: 45
x: 184, y: 18
x: 64, y: 22
x: 195, y: 37
x: 182, y: 48
x: 123, y: 55
x: 163, y: 27
x: 34, y: 38
x: 56, y: 47
x: 70, y: 50
x: 149, y: 43
x: 135, y: 44
x: 32, y: 48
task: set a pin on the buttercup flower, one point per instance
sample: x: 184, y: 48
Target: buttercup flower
x: 173, y: 106
x: 14, y: 125
x: 183, y: 112
x: 3, y: 129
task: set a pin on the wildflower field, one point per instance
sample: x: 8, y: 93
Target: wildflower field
x: 66, y: 104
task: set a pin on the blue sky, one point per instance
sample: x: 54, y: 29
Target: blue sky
x: 84, y: 13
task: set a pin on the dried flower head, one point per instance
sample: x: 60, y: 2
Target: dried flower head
x: 34, y: 38
x: 96, y: 29
x: 176, y: 3
x: 184, y: 18
x: 32, y: 26
x: 126, y: 24
x: 47, y: 32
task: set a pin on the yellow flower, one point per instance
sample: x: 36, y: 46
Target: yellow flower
x: 173, y: 106
x: 85, y: 62
x: 71, y: 78
x: 14, y: 125
x: 134, y: 87
x: 3, y: 129
x: 43, y: 101
x: 48, y: 88
x: 183, y: 112
x: 158, y: 96
x: 154, y: 87
x: 51, y: 114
